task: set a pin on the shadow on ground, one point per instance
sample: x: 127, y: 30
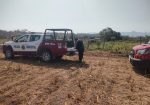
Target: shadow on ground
x: 142, y: 71
x: 62, y: 63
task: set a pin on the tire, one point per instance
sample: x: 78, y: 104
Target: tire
x: 46, y: 56
x: 9, y: 54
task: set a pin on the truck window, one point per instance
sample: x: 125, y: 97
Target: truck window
x: 69, y: 36
x: 35, y: 37
x: 59, y: 35
x: 48, y: 37
x: 23, y: 38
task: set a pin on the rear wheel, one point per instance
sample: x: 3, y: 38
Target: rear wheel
x: 46, y: 56
x: 9, y: 54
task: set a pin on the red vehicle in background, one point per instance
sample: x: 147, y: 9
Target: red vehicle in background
x: 140, y: 56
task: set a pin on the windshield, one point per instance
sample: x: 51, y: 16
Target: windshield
x: 23, y: 38
x: 20, y: 37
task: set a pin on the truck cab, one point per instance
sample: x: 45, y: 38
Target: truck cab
x: 53, y: 43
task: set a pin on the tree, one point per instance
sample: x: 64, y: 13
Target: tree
x: 108, y: 34
x: 8, y: 34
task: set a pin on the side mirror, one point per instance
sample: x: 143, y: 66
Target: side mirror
x: 16, y: 41
x: 13, y: 39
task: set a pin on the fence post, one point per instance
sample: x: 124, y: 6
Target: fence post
x: 103, y: 44
x: 140, y: 40
x: 87, y: 44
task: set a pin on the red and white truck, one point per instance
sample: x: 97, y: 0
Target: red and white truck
x: 54, y: 43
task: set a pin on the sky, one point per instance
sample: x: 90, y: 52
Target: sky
x: 79, y: 15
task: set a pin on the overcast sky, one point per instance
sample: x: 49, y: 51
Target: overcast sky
x: 79, y: 15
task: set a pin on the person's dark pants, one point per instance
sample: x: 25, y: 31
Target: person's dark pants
x: 80, y: 56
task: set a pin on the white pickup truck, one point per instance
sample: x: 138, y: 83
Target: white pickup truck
x: 54, y: 43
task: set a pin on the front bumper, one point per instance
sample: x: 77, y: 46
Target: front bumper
x: 138, y: 62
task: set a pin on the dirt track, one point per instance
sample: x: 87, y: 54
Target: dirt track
x: 103, y: 79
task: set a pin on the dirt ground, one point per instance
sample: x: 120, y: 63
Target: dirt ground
x: 103, y: 79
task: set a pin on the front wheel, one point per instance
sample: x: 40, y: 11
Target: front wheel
x: 46, y: 56
x: 9, y: 54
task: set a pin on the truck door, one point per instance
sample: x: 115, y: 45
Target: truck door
x: 61, y: 43
x: 50, y: 43
x: 33, y: 44
x: 20, y: 44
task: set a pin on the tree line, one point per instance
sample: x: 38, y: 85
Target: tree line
x: 107, y: 34
x: 8, y: 34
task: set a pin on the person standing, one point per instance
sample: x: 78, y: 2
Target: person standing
x: 80, y: 48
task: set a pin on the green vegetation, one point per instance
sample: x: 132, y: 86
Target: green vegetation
x: 114, y: 42
x: 108, y: 34
x: 2, y: 40
x: 122, y: 47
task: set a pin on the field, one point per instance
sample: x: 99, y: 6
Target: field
x: 119, y: 47
x: 103, y: 79
x: 3, y: 40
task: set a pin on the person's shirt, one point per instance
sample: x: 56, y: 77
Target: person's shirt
x: 80, y: 45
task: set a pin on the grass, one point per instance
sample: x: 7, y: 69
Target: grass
x: 3, y: 40
x: 115, y: 47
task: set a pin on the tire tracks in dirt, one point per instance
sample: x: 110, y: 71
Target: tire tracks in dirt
x: 106, y: 81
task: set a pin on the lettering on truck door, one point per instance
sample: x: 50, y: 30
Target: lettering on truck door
x: 20, y: 44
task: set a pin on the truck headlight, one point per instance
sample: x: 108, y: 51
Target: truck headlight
x: 141, y: 52
x: 144, y: 51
